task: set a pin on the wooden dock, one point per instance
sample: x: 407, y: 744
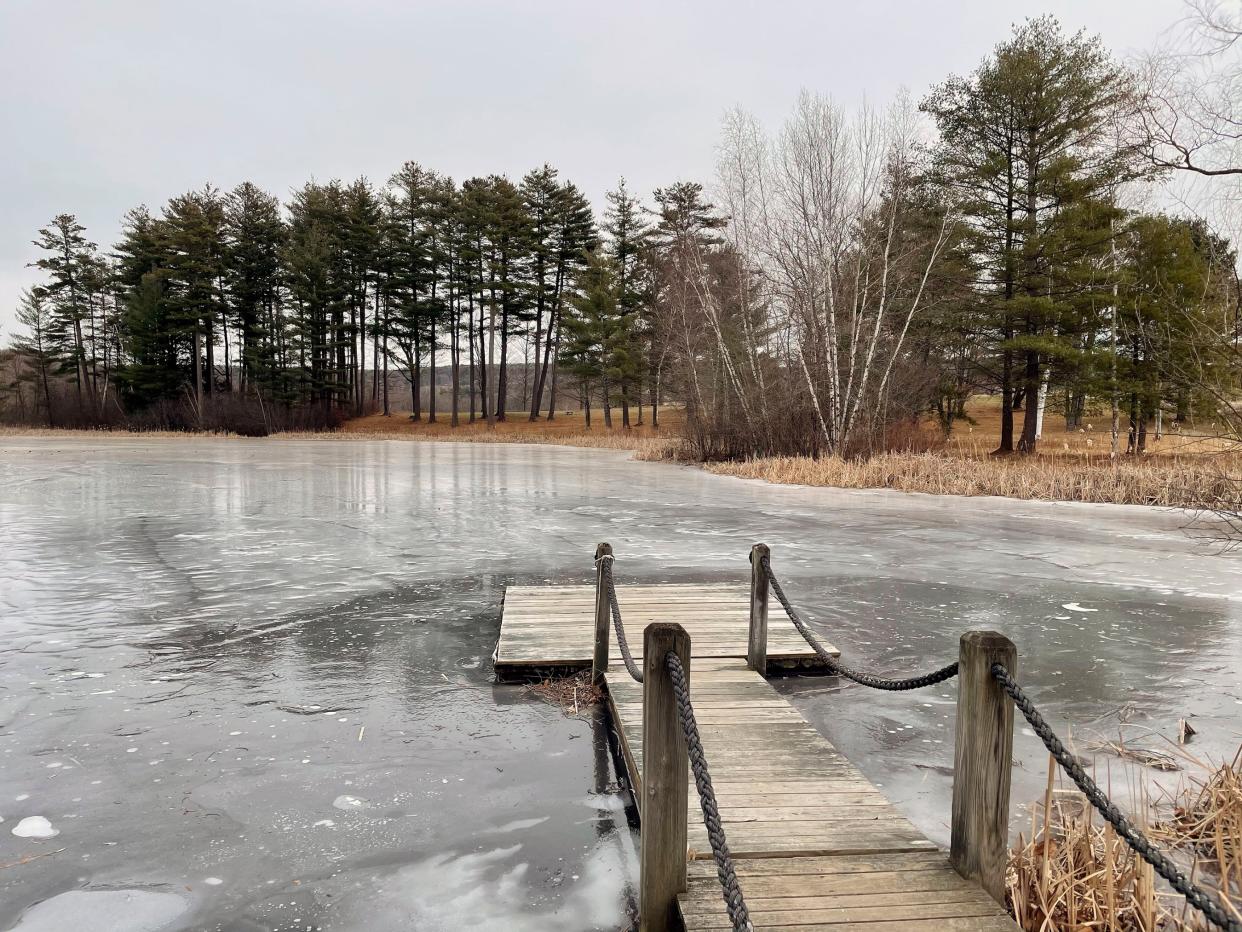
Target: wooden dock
x: 817, y: 847
x: 550, y: 630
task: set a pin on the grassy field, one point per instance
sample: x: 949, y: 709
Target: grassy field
x: 1193, y: 468
x: 1092, y: 441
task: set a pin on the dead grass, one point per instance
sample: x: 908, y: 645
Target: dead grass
x: 1092, y: 440
x: 575, y: 695
x: 1075, y: 873
x: 1207, y: 819
x: 568, y: 428
x: 1170, y: 482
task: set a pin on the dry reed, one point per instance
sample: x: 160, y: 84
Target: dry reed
x: 1207, y: 820
x: 1074, y: 872
x: 1149, y: 481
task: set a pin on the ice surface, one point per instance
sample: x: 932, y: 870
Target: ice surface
x: 239, y: 597
x: 104, y: 911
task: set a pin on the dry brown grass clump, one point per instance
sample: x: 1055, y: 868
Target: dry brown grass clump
x: 1207, y: 819
x: 567, y: 427
x: 1076, y: 873
x: 1149, y: 481
x: 574, y: 694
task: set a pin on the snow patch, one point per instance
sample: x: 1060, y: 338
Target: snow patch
x: 35, y: 826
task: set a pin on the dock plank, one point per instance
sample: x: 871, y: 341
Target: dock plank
x: 545, y: 629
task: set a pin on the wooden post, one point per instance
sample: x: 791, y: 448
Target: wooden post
x: 599, y: 660
x: 982, y: 762
x: 665, y: 777
x: 757, y: 646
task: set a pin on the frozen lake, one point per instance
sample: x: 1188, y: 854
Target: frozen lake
x: 247, y: 683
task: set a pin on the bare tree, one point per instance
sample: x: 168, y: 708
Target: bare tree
x: 832, y: 241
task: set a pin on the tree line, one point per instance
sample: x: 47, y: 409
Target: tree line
x: 863, y: 276
x: 846, y: 281
x: 233, y: 302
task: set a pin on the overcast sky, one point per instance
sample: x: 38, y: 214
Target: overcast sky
x: 107, y: 105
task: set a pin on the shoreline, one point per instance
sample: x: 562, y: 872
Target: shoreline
x: 1196, y: 483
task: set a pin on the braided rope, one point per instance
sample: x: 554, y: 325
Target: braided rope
x: 735, y: 904
x: 838, y: 668
x: 1199, y: 898
x: 605, y: 564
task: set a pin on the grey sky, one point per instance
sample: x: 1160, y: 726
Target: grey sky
x: 109, y: 105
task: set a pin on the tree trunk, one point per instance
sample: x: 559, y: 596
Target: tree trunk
x: 502, y: 385
x: 489, y: 397
x: 198, y: 375
x: 431, y: 375
x: 455, y: 362
x: 1030, y: 419
x: 556, y: 353
x: 1006, y: 437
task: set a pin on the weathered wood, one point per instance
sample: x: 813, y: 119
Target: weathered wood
x: 757, y: 643
x: 982, y: 762
x: 662, y: 874
x: 899, y: 891
x: 817, y: 847
x: 599, y: 660
x: 550, y: 630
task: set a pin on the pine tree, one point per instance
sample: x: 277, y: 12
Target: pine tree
x: 68, y: 260
x: 255, y: 237
x: 1032, y: 131
x: 591, y: 331
x: 38, y: 346
x: 629, y: 250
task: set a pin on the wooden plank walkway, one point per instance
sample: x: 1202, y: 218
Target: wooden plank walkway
x: 547, y: 630
x: 817, y: 847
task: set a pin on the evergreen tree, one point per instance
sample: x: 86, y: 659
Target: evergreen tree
x: 39, y: 347
x: 69, y: 260
x: 629, y: 251
x: 255, y: 237
x: 1030, y: 133
x: 591, y: 331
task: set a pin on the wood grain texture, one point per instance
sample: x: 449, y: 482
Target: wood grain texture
x: 983, y: 761
x: 546, y: 629
x: 757, y: 647
x: 599, y: 658
x: 662, y: 874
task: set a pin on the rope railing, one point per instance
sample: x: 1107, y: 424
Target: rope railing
x: 730, y: 889
x: 735, y: 903
x: 858, y: 676
x: 1196, y: 896
x: 984, y: 725
x: 1210, y: 906
x: 604, y: 562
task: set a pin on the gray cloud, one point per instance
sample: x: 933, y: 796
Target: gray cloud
x: 108, y: 105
